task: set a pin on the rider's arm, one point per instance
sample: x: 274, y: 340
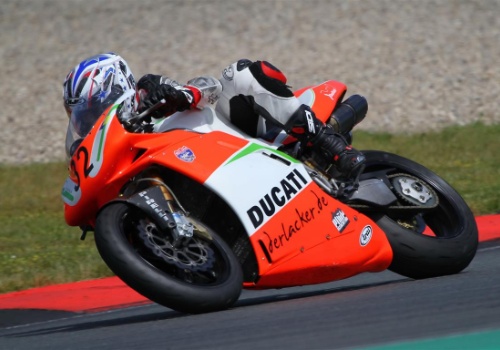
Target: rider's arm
x: 264, y: 83
x: 153, y: 88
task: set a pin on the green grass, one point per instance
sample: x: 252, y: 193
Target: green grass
x: 37, y: 248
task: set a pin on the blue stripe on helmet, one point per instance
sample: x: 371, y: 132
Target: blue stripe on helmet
x: 82, y: 67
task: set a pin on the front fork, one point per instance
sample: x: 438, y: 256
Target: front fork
x: 157, y: 201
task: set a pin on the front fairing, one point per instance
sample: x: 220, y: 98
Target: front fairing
x: 86, y: 153
x: 84, y: 165
x: 109, y: 156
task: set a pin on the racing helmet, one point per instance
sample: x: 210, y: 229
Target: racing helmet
x: 95, y: 84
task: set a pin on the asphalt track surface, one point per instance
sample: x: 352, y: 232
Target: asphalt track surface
x: 370, y: 310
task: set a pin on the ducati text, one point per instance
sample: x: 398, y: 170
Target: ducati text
x: 277, y: 197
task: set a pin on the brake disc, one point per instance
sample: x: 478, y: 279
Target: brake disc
x: 194, y: 255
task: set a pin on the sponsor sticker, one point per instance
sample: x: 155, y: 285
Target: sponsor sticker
x: 329, y: 92
x: 366, y: 235
x: 185, y: 154
x: 340, y: 220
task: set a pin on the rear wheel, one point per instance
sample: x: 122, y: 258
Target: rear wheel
x: 432, y: 231
x: 200, y: 275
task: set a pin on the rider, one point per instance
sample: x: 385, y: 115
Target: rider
x: 254, y: 98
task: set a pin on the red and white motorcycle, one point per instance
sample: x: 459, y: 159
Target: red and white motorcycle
x: 192, y: 213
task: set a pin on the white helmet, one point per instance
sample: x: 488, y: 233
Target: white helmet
x: 93, y: 85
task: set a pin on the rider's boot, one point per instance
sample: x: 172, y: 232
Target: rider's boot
x: 349, y: 161
x: 330, y: 144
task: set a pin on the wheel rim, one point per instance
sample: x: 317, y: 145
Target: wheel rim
x: 199, y: 261
x: 441, y: 220
x: 194, y: 255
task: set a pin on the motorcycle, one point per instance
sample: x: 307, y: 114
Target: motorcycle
x: 189, y: 210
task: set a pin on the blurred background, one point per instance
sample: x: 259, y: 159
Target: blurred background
x: 422, y: 65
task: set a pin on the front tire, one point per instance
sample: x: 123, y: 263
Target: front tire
x: 418, y: 255
x: 202, y: 277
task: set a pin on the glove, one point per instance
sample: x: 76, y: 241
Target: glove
x: 175, y: 100
x: 149, y: 81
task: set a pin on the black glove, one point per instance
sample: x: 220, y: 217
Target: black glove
x: 175, y: 100
x: 149, y: 82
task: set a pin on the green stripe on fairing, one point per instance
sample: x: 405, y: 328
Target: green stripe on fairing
x: 68, y: 195
x: 101, y: 140
x: 255, y: 147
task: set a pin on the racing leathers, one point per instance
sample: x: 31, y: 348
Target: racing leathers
x: 256, y: 99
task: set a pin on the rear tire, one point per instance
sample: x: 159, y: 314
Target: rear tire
x: 417, y: 255
x: 207, y: 278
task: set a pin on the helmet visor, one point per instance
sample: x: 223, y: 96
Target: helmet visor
x: 84, y: 115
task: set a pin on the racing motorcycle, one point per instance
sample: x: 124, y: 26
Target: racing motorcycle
x: 188, y: 210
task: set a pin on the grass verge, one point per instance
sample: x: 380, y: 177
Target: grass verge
x: 37, y: 248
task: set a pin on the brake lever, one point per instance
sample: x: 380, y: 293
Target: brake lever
x: 147, y: 113
x: 139, y: 122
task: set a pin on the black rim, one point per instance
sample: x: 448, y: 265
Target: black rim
x: 444, y: 219
x: 198, y: 261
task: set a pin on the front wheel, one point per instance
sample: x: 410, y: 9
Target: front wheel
x: 439, y: 239
x: 202, y: 275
